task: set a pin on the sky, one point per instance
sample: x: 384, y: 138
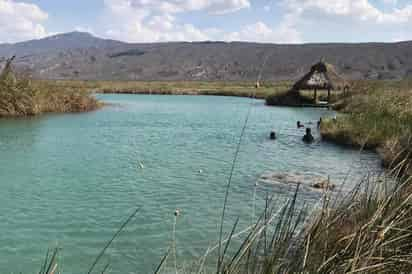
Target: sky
x: 273, y: 21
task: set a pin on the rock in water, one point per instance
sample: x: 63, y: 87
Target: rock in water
x: 312, y: 181
x: 324, y: 185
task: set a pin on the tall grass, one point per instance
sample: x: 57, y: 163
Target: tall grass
x: 366, y: 231
x: 377, y: 115
x: 20, y: 96
x: 219, y: 88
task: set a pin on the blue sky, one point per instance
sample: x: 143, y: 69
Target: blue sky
x: 275, y: 21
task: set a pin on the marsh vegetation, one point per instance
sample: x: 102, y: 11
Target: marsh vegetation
x: 20, y: 96
x: 219, y: 88
x: 375, y: 115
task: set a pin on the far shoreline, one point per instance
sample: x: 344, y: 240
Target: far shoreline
x: 184, y: 93
x: 246, y: 89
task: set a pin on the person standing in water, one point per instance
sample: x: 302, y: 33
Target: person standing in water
x: 308, y: 138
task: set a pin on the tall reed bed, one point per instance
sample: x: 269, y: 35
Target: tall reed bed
x: 376, y: 115
x: 20, y: 96
x: 218, y: 88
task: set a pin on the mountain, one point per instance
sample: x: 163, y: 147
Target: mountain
x: 79, y: 55
x: 60, y: 42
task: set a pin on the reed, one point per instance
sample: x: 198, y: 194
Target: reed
x: 367, y: 231
x: 50, y: 265
x: 376, y: 115
x: 217, y: 88
x: 21, y: 96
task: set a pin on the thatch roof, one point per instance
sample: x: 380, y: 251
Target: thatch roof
x: 322, y: 76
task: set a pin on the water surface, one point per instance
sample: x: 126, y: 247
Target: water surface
x: 70, y: 180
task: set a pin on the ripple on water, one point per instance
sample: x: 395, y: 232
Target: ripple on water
x: 71, y: 180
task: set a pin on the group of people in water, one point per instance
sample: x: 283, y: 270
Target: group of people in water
x: 307, y: 138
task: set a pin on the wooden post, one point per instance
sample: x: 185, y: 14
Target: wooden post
x: 328, y: 95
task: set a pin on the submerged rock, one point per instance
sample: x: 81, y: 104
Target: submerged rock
x: 307, y: 180
x: 324, y: 185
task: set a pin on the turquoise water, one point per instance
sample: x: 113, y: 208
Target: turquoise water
x: 70, y: 180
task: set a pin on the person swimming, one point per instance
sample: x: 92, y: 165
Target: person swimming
x: 299, y: 125
x: 308, y: 137
x: 272, y: 135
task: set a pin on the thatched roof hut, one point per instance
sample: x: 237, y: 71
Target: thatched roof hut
x: 322, y: 76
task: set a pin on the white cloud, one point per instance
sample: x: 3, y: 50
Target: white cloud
x: 360, y: 10
x: 390, y: 2
x: 157, y: 20
x: 399, y: 38
x: 161, y: 20
x: 179, y: 6
x: 342, y: 17
x: 134, y: 24
x: 85, y: 29
x: 157, y: 31
x: 262, y: 33
x: 21, y: 21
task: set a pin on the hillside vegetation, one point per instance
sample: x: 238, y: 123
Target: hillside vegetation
x: 81, y: 56
x: 23, y: 97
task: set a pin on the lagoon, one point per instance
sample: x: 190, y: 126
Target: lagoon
x: 70, y: 180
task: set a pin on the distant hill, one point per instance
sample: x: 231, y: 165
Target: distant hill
x: 78, y: 55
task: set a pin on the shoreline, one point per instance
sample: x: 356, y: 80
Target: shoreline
x: 379, y: 121
x: 212, y: 93
x: 215, y: 88
x: 183, y: 92
x: 389, y: 159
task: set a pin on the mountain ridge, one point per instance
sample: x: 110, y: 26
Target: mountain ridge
x: 82, y: 56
